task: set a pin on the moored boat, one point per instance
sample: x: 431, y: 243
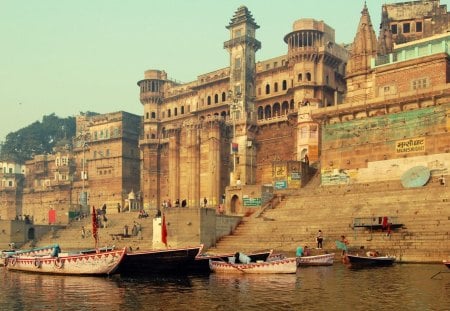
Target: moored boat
x: 316, y: 260
x: 101, y: 263
x: 37, y: 251
x: 356, y: 261
x: 446, y: 263
x: 201, y: 262
x: 150, y: 262
x: 286, y: 265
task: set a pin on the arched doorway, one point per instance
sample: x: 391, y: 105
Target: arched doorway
x: 235, y: 204
x: 31, y: 234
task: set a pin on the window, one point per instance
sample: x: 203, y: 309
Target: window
x: 308, y: 76
x: 418, y: 26
x: 216, y: 98
x: 238, y: 33
x: 284, y: 86
x: 224, y: 96
x: 267, y: 89
x: 168, y: 113
x: 419, y: 84
x: 208, y: 100
x: 147, y: 115
x: 275, y: 87
x: 237, y: 63
x: 175, y: 111
x: 182, y: 109
x: 394, y: 29
x: 300, y: 77
x: 406, y: 28
x: 153, y: 115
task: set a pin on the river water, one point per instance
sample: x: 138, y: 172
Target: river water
x: 401, y: 287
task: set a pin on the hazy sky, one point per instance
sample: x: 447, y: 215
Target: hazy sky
x: 65, y: 57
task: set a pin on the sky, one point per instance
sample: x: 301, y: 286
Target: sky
x: 67, y: 57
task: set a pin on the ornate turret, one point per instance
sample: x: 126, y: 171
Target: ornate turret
x: 364, y: 46
x: 242, y: 47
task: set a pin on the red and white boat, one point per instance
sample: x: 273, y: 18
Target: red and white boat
x: 286, y: 265
x: 316, y: 260
x: 97, y: 263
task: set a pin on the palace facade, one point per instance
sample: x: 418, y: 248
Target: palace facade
x: 367, y: 112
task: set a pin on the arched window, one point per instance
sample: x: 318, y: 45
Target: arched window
x: 175, y: 111
x: 291, y: 105
x: 182, y: 109
x: 153, y: 136
x: 216, y: 98
x: 284, y: 86
x: 276, y: 110
x: 146, y: 115
x: 209, y: 100
x: 223, y: 114
x: 169, y: 113
x: 260, y: 113
x: 268, y: 112
x: 300, y: 77
x: 153, y: 115
x: 267, y: 89
x: 224, y: 96
x: 284, y: 108
x: 308, y: 76
x: 275, y: 87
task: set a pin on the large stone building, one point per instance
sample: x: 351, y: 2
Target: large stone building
x: 354, y: 113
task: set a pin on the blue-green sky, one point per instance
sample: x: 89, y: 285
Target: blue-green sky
x: 64, y: 57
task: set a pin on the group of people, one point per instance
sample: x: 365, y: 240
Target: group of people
x: 305, y: 251
x: 168, y: 203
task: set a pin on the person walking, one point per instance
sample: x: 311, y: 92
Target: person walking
x: 319, y: 239
x: 83, y: 232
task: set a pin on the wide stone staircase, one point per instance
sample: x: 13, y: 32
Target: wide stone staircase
x: 424, y: 213
x: 70, y: 237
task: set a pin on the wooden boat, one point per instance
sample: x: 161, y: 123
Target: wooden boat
x: 446, y: 263
x: 101, y: 263
x: 201, y: 262
x: 37, y: 251
x: 159, y: 261
x: 316, y: 260
x: 357, y: 261
x: 286, y: 265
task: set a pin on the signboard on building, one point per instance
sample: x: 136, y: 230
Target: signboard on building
x: 410, y: 145
x: 252, y: 201
x: 280, y: 184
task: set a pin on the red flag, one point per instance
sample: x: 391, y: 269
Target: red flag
x: 94, y: 226
x: 164, y: 230
x: 234, y: 147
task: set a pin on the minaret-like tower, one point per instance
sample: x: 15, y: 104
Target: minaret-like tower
x: 385, y: 41
x: 151, y: 96
x: 242, y: 47
x: 364, y: 48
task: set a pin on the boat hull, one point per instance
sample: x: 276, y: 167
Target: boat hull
x: 201, y: 262
x: 368, y: 261
x: 446, y: 263
x: 316, y: 260
x: 51, y: 250
x: 172, y: 261
x: 287, y: 265
x: 102, y: 263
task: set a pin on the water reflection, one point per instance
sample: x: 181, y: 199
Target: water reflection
x: 401, y: 287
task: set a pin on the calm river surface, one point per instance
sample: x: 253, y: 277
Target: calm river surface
x: 401, y: 287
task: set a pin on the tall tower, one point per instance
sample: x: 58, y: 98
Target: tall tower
x: 358, y: 73
x: 242, y: 47
x: 151, y: 96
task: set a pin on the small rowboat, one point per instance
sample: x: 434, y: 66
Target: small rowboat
x: 101, y: 263
x: 446, y: 263
x: 287, y: 265
x: 316, y: 260
x: 38, y: 251
x: 356, y: 261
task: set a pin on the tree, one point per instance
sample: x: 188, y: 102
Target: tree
x: 37, y: 138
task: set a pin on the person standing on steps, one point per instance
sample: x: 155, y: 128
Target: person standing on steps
x: 319, y: 239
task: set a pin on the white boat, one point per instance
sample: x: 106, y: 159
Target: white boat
x: 38, y: 251
x: 286, y: 265
x: 101, y: 263
x: 316, y: 260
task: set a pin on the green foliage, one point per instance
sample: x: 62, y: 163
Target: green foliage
x: 37, y: 138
